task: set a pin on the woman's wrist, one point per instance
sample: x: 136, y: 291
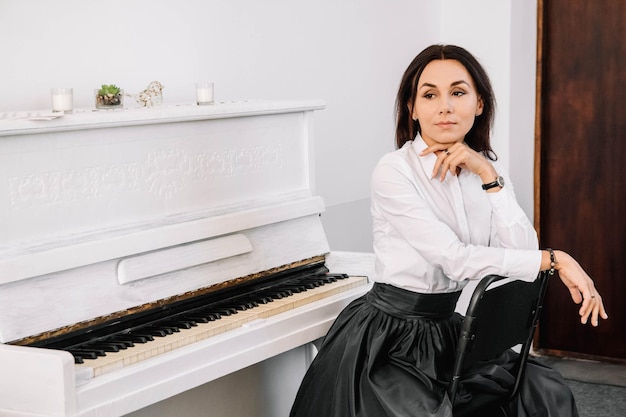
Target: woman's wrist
x: 553, y: 261
x: 489, y: 174
x: 550, y: 260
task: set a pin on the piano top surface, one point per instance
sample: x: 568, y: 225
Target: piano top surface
x: 29, y: 122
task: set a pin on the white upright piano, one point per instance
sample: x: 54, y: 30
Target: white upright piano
x: 145, y: 252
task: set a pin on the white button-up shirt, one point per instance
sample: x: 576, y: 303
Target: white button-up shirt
x: 432, y: 236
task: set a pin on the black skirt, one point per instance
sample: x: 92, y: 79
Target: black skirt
x: 390, y: 354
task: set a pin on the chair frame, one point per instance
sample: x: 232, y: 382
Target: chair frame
x: 498, y: 319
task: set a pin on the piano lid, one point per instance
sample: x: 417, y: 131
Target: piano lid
x: 106, y: 211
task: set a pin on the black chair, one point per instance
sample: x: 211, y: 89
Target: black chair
x: 497, y: 319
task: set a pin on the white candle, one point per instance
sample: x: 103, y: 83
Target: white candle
x: 62, y: 99
x: 204, y: 93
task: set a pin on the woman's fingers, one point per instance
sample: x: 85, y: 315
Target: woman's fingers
x: 449, y: 158
x: 582, y: 290
x: 592, y: 305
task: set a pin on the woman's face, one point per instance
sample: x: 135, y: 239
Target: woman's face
x: 446, y: 102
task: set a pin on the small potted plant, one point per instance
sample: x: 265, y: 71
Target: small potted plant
x: 109, y: 97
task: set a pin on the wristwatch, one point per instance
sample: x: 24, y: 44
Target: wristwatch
x: 499, y: 182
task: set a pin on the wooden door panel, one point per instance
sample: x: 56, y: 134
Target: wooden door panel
x: 582, y: 142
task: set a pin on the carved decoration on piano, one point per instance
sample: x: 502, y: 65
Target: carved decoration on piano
x: 163, y: 173
x: 167, y: 171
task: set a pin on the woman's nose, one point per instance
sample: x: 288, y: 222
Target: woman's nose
x: 445, y: 106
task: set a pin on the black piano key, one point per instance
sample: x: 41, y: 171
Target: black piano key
x: 226, y: 311
x: 127, y: 343
x: 106, y: 347
x: 294, y: 288
x: 157, y: 332
x: 178, y: 324
x: 87, y: 353
x: 339, y: 276
x: 235, y: 306
x: 262, y: 299
x: 266, y: 299
x: 198, y: 319
x: 309, y: 285
x: 151, y: 333
x: 212, y: 316
x: 135, y: 338
x: 118, y: 344
x: 168, y: 329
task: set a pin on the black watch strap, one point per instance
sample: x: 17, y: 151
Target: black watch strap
x: 499, y: 182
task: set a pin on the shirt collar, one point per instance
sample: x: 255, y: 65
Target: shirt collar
x: 427, y: 162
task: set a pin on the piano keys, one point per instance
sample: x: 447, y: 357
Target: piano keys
x: 197, y: 331
x: 146, y: 253
x: 130, y: 340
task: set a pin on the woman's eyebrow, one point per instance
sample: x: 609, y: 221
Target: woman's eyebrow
x: 427, y: 85
x: 459, y: 82
x: 454, y: 84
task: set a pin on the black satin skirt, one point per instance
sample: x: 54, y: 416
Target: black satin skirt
x: 390, y: 353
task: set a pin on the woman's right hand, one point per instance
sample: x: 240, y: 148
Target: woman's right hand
x: 580, y: 286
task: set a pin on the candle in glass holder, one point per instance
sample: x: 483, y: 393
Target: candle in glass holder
x: 62, y: 100
x: 204, y: 93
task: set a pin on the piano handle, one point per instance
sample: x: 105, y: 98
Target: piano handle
x: 174, y: 258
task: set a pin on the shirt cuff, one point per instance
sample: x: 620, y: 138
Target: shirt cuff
x: 522, y: 264
x: 505, y: 208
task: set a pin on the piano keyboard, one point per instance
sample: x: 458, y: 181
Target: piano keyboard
x: 124, y: 350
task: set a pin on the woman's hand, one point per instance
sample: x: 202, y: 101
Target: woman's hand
x: 581, y: 288
x: 451, y: 157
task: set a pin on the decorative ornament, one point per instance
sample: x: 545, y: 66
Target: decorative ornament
x: 151, y: 96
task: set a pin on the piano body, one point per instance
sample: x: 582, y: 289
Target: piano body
x: 108, y: 216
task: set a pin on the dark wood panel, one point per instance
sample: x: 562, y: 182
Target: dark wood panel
x: 582, y: 201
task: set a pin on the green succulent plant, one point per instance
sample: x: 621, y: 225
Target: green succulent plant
x: 109, y: 90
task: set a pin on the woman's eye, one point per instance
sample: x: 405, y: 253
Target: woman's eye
x: 429, y: 95
x: 458, y: 93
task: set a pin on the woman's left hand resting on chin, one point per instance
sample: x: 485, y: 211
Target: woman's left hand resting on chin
x: 579, y: 284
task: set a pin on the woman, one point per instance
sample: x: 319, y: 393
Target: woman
x: 444, y: 213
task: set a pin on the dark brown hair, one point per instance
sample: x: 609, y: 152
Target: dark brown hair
x: 478, y: 138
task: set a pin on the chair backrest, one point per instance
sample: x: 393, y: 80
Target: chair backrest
x: 498, y: 319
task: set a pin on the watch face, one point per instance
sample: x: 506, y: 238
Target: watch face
x: 499, y: 182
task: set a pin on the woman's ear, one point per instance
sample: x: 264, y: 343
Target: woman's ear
x: 481, y: 106
x: 412, y: 111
